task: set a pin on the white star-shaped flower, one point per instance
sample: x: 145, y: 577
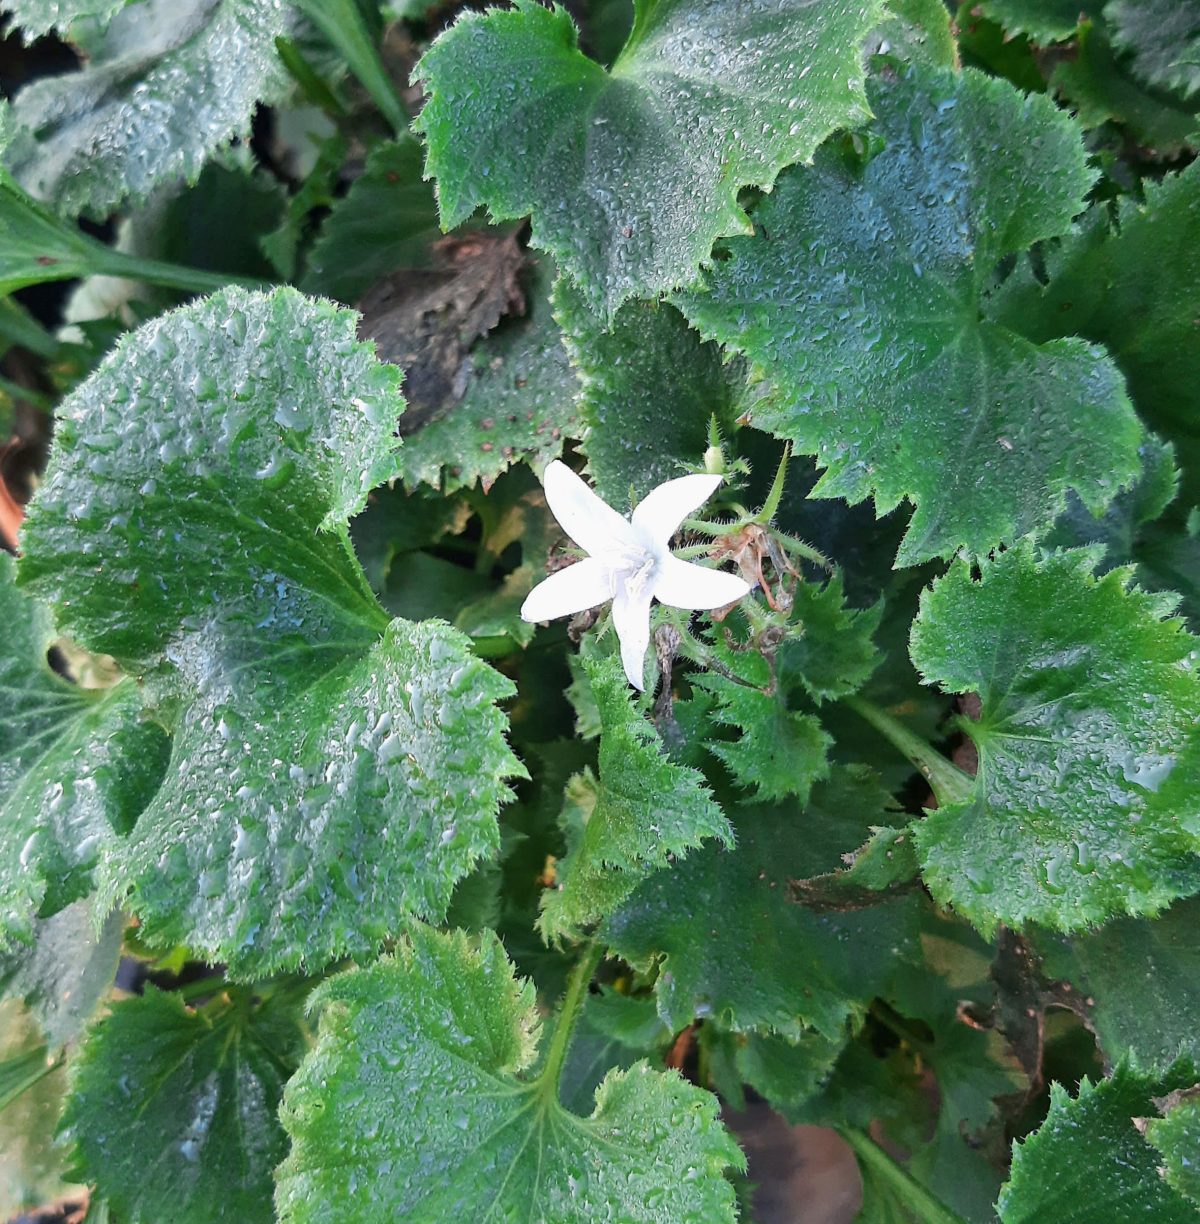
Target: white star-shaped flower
x: 628, y: 560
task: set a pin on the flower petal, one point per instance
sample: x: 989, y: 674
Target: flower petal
x: 582, y: 585
x: 592, y: 523
x: 661, y: 511
x: 631, y: 618
x: 684, y: 585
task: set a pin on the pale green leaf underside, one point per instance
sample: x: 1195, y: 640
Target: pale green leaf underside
x: 166, y: 84
x: 862, y: 294
x: 67, y: 970
x: 1162, y: 40
x: 631, y: 174
x: 324, y: 783
x: 1080, y: 810
x: 738, y: 948
x: 76, y: 766
x: 519, y: 405
x: 37, y: 17
x: 650, y: 386
x: 642, y: 812
x: 173, y: 1112
x: 1088, y: 1161
x: 447, y: 1030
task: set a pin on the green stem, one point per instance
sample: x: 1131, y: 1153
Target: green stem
x: 14, y: 391
x: 910, y: 1192
x: 709, y: 529
x: 799, y: 548
x: 202, y: 986
x: 948, y: 783
x: 18, y: 326
x: 342, y: 23
x: 568, y: 1013
x: 110, y: 262
x: 19, y: 1073
x: 771, y: 506
x: 312, y: 84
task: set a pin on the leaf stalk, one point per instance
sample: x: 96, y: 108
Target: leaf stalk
x: 948, y: 783
x: 560, y: 1042
x: 907, y: 1189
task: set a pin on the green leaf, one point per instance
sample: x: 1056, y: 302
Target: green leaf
x: 1121, y: 527
x: 650, y: 388
x: 631, y: 174
x: 36, y: 246
x: 282, y: 246
x: 519, y: 404
x: 75, y: 765
x: 1097, y: 83
x: 919, y: 30
x: 875, y: 330
x: 1131, y: 286
x: 1132, y: 969
x: 1088, y: 1161
x: 37, y: 17
x: 354, y: 34
x: 67, y: 971
x: 833, y: 653
x: 737, y: 947
x: 19, y: 1072
x: 642, y: 812
x: 779, y: 752
x: 395, y: 525
x: 165, y: 85
x: 886, y: 860
x: 172, y: 1112
x: 216, y: 224
x: 1089, y: 697
x: 1045, y: 21
x: 1177, y: 1137
x: 614, y: 1030
x: 447, y: 1028
x: 786, y: 1073
x: 1168, y: 555
x: 326, y: 782
x: 385, y: 221
x: 1162, y: 39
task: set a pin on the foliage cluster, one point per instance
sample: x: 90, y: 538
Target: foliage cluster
x: 420, y: 911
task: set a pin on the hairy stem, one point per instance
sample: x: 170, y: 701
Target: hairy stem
x: 568, y: 1013
x: 948, y: 783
